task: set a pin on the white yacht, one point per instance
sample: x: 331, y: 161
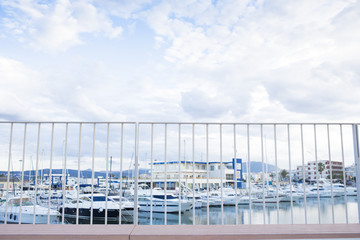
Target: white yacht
x: 98, y: 205
x: 27, y: 211
x: 127, y: 206
x: 156, y: 203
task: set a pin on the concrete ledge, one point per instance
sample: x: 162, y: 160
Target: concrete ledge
x: 175, y: 232
x: 81, y: 232
x: 282, y: 231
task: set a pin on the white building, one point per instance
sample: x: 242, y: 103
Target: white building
x: 189, y: 172
x: 312, y: 172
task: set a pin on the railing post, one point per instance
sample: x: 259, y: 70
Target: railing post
x: 136, y: 175
x: 357, y: 165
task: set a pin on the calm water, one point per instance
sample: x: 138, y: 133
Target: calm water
x: 270, y: 214
x: 258, y: 215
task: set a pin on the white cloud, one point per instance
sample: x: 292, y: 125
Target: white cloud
x: 299, y: 56
x: 280, y: 46
x: 57, y: 25
x: 19, y: 85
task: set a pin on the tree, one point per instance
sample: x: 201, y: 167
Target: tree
x: 321, y: 168
x: 283, y: 174
x: 335, y: 175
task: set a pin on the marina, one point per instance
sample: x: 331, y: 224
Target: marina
x: 213, y: 207
x: 252, y: 187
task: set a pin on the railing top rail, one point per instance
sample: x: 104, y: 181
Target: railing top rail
x: 184, y: 123
x: 69, y: 122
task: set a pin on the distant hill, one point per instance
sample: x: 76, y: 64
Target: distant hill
x: 74, y: 173
x: 255, y: 167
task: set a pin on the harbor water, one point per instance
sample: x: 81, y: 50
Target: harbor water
x: 273, y: 214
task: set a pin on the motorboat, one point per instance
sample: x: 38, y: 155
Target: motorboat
x: 97, y: 202
x: 26, y: 206
x: 157, y: 203
x: 198, y: 200
x: 127, y: 206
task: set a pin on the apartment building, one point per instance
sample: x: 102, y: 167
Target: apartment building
x: 320, y: 169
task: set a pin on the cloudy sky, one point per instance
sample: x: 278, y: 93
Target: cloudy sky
x: 216, y: 61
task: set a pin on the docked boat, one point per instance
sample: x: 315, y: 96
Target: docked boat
x: 25, y: 206
x: 157, y: 203
x: 99, y: 206
x: 127, y: 206
x: 198, y: 200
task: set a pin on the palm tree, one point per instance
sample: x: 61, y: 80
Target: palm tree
x: 284, y: 174
x: 321, y: 168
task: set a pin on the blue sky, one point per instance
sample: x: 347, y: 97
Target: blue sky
x: 229, y: 61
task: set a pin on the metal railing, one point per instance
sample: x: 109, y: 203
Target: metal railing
x: 136, y: 148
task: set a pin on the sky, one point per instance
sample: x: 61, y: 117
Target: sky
x: 180, y: 61
x: 177, y: 61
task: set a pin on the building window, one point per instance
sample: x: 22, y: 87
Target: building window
x: 229, y: 176
x: 212, y: 168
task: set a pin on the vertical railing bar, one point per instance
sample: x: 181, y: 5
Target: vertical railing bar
x: 50, y: 174
x: 344, y: 175
x: 221, y: 178
x: 331, y: 180
x: 277, y: 177
x: 92, y: 176
x: 291, y: 194
x: 121, y: 176
x: 249, y: 172
x: 107, y: 173
x: 317, y: 174
x: 193, y: 172
x: 180, y: 195
x: 263, y: 171
x: 22, y: 188
x: 152, y: 162
x: 303, y: 169
x: 8, y: 175
x: 78, y: 180
x: 64, y: 175
x: 136, y: 180
x: 357, y: 163
x: 36, y: 173
x: 207, y: 177
x: 235, y: 180
x: 165, y: 182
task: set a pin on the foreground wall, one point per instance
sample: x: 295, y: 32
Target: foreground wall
x: 142, y: 232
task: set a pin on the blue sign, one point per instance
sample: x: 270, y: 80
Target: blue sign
x: 238, y: 176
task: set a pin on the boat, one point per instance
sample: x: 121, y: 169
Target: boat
x: 157, y: 203
x: 99, y: 205
x: 245, y: 200
x: 198, y: 200
x: 127, y: 206
x: 26, y: 206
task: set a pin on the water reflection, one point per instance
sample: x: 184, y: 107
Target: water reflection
x: 257, y: 216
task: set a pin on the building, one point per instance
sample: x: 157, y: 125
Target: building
x: 323, y: 170
x: 14, y: 182
x: 189, y: 172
